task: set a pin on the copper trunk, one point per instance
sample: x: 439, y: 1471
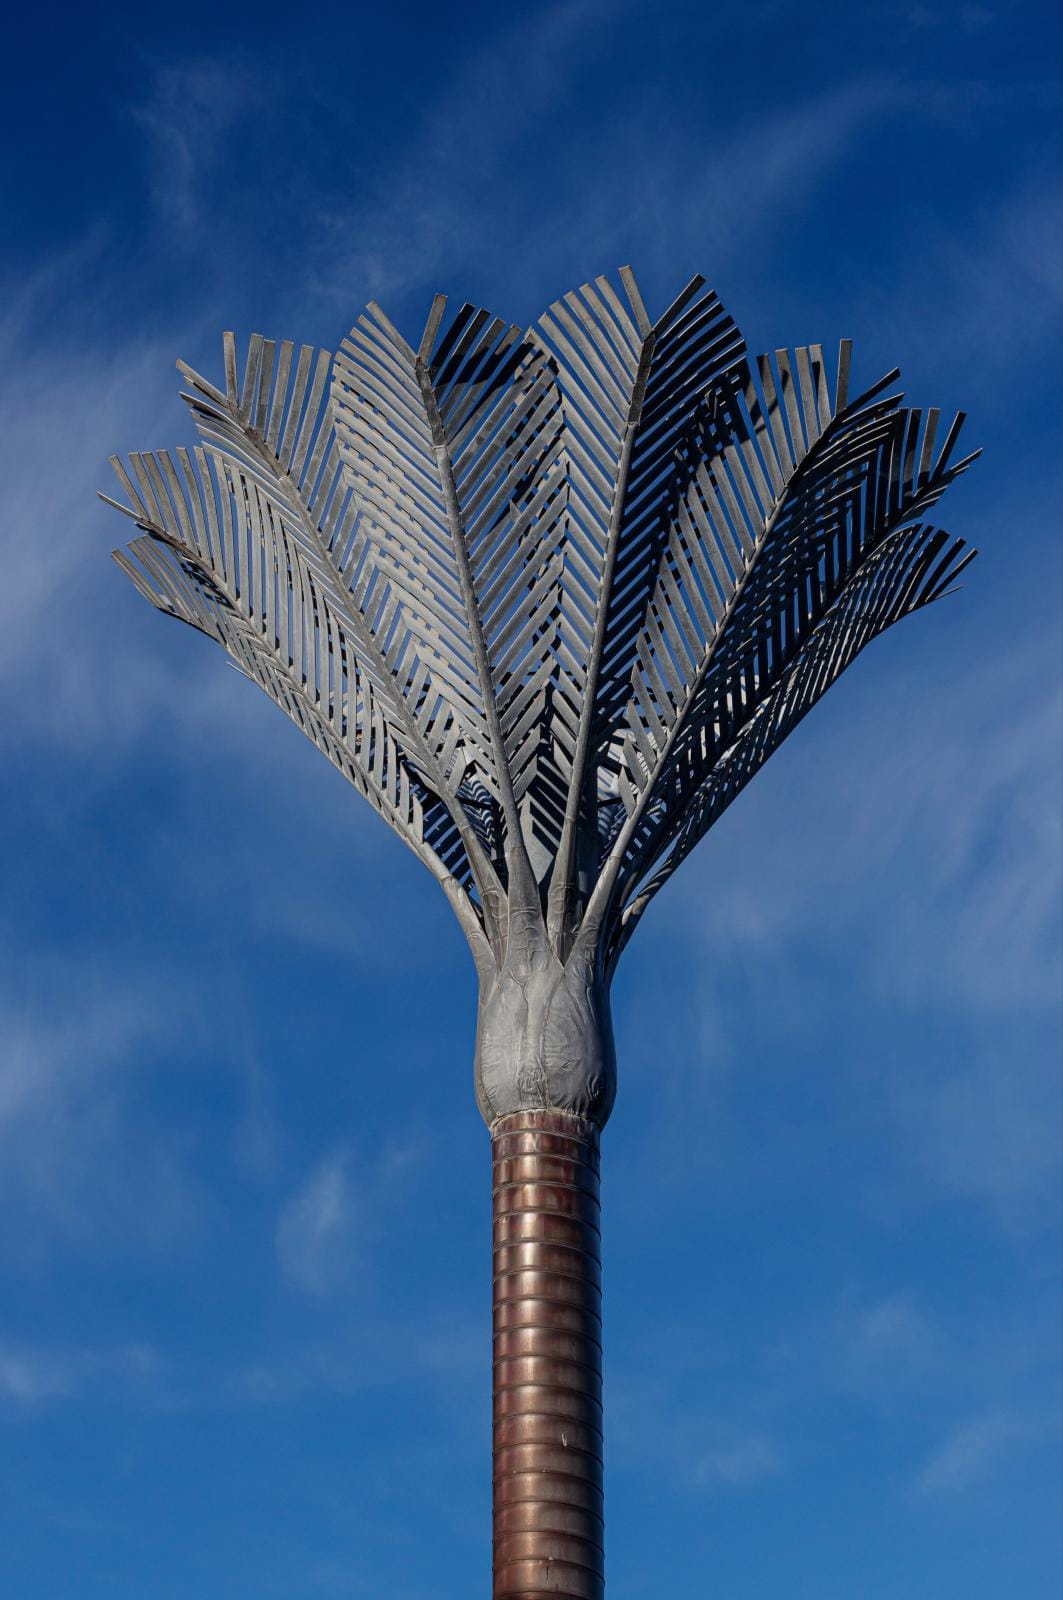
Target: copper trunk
x: 548, y: 1513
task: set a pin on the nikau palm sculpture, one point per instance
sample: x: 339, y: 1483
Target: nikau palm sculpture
x: 548, y: 599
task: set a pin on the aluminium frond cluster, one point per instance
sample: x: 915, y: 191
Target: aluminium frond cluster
x: 547, y: 598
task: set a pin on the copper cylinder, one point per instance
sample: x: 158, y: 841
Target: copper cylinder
x: 548, y: 1527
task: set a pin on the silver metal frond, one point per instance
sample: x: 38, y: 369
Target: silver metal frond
x: 547, y: 598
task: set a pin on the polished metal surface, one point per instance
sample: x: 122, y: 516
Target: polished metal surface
x: 548, y: 1512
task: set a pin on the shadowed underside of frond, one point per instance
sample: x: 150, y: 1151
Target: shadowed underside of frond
x: 908, y: 570
x: 547, y: 599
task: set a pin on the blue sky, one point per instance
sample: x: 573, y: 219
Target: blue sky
x: 243, y: 1303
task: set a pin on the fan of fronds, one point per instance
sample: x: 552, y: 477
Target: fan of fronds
x: 547, y: 598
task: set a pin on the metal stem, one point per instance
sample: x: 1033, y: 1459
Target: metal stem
x: 548, y: 1524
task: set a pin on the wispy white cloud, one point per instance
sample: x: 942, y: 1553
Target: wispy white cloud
x: 741, y: 1465
x: 447, y: 190
x: 988, y: 290
x: 32, y: 1375
x: 87, y: 670
x: 985, y: 1126
x: 28, y: 1376
x: 724, y: 1402
x: 191, y: 108
x: 72, y: 408
x: 978, y: 1450
x: 970, y: 19
x: 362, y: 1343
x: 892, y: 1336
x: 757, y: 174
x: 450, y: 193
x: 71, y: 1167
x: 257, y: 1136
x: 318, y: 1237
x: 331, y: 1219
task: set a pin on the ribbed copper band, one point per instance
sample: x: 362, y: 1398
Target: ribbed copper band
x: 547, y: 1359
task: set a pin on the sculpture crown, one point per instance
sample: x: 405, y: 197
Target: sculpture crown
x: 548, y: 598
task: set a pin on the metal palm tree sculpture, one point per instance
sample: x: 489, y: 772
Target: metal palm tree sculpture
x: 548, y: 599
